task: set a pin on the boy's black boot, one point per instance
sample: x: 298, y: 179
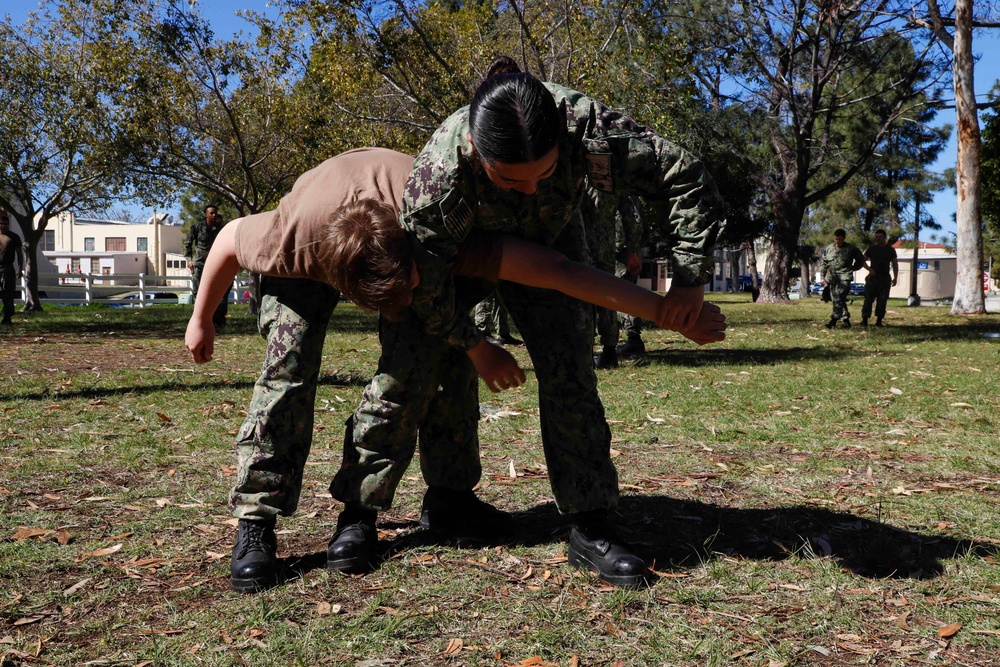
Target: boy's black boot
x: 462, y: 514
x: 352, y: 548
x: 254, y: 565
x: 878, y: 322
x: 846, y: 324
x: 831, y: 324
x: 595, y: 546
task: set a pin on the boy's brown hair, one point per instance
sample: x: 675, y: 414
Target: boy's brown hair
x: 370, y: 254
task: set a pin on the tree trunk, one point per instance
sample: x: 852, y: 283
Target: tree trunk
x: 31, y: 238
x: 969, y: 280
x: 752, y: 266
x: 804, y: 280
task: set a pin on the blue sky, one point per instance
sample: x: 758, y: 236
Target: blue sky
x: 986, y: 43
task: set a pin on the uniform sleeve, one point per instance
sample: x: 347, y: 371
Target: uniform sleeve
x: 438, y: 218
x: 434, y: 299
x: 190, y: 241
x: 622, y: 155
x: 824, y: 264
x: 628, y: 228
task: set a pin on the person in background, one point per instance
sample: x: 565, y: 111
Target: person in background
x: 881, y: 257
x: 839, y: 262
x: 11, y: 252
x: 197, y: 245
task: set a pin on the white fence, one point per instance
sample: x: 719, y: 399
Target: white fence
x: 145, y: 290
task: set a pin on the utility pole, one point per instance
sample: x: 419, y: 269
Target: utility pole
x: 914, y: 299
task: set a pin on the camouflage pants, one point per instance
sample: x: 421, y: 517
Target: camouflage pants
x: 274, y: 441
x: 632, y: 325
x: 491, y: 317
x: 8, y: 283
x: 840, y: 288
x: 219, y: 316
x: 877, y: 292
x: 424, y: 383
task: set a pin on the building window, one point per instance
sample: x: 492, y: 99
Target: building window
x: 48, y: 241
x: 142, y: 244
x: 114, y: 244
x: 88, y: 244
x: 937, y: 265
x: 74, y: 266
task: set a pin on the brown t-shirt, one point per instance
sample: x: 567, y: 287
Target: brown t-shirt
x: 285, y: 242
x: 10, y: 243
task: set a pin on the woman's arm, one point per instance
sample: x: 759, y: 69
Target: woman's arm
x: 221, y: 267
x: 537, y: 266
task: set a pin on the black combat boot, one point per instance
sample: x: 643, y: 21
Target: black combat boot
x: 507, y: 339
x: 831, y: 324
x: 594, y: 546
x: 254, y: 565
x: 864, y: 321
x: 462, y: 514
x: 632, y: 347
x: 352, y: 548
x: 608, y: 358
x: 878, y: 322
x: 846, y: 324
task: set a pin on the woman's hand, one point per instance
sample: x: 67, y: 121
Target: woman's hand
x: 199, y: 339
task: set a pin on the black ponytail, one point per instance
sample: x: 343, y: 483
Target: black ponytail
x: 513, y: 118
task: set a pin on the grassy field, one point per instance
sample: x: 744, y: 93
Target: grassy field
x: 807, y: 497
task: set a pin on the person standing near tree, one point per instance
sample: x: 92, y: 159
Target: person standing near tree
x: 518, y: 160
x: 197, y: 245
x: 881, y: 257
x: 840, y: 260
x: 10, y: 251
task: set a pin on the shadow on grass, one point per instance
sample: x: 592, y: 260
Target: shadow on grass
x: 93, y: 393
x: 160, y: 321
x: 679, y: 533
x: 968, y: 329
x: 675, y: 534
x: 743, y: 356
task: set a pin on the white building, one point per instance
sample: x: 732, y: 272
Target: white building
x: 111, y: 247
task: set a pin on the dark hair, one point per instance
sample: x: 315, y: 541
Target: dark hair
x: 882, y: 232
x: 513, y: 118
x: 841, y: 233
x: 205, y: 210
x: 370, y: 254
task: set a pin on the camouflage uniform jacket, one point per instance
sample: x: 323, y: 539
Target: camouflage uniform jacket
x: 448, y: 194
x: 199, y: 241
x: 840, y: 262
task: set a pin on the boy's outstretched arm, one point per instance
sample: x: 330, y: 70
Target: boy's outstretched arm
x: 221, y: 267
x: 537, y: 266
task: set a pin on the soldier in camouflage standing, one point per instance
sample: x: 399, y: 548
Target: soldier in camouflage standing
x: 492, y: 319
x: 839, y: 262
x: 197, y: 245
x: 10, y: 250
x: 518, y: 160
x: 613, y: 233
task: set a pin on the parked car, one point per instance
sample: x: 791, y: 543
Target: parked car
x: 132, y: 299
x: 816, y: 288
x: 858, y: 289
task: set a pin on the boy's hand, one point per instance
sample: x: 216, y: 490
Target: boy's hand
x: 709, y: 328
x: 496, y: 366
x: 199, y: 339
x: 680, y: 308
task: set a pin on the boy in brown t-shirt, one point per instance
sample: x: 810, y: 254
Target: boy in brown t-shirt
x: 338, y: 230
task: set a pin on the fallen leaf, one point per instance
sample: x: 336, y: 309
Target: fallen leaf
x: 22, y: 534
x: 103, y: 552
x: 76, y: 587
x: 28, y: 620
x: 895, y: 391
x: 63, y: 537
x: 163, y: 417
x: 454, y: 646
x: 985, y: 632
x: 323, y: 608
x: 961, y: 405
x: 901, y: 620
x: 256, y: 633
x: 949, y: 630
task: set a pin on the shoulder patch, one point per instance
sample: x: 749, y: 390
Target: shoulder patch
x: 599, y: 172
x: 457, y: 220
